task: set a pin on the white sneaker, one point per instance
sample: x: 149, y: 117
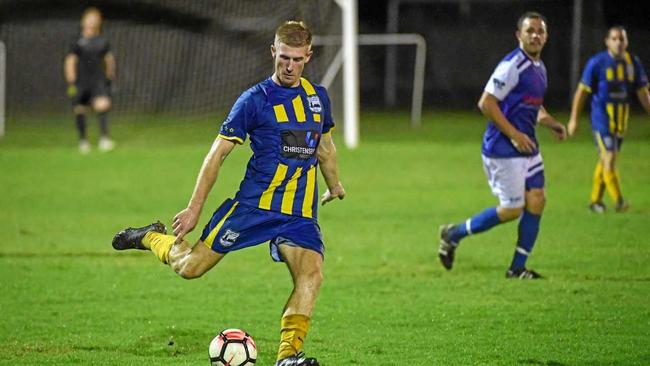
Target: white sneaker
x: 106, y: 144
x: 84, y: 146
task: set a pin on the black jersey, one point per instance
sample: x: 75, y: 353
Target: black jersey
x: 91, y: 52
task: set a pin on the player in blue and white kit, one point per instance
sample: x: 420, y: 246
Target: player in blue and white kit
x: 513, y: 102
x: 289, y: 122
x: 612, y: 77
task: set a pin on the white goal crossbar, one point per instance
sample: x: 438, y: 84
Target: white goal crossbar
x: 384, y: 40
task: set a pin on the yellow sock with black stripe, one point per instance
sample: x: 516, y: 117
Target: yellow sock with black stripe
x: 612, y: 184
x: 160, y: 244
x: 598, y: 187
x: 293, y: 332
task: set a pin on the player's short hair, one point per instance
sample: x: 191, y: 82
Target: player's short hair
x: 293, y: 33
x: 530, y: 15
x: 91, y: 10
x: 619, y: 28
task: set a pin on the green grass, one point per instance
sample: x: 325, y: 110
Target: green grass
x: 68, y: 298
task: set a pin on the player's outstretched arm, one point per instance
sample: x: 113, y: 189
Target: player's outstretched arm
x: 577, y: 105
x: 186, y: 220
x: 111, y: 66
x: 545, y: 119
x: 326, y: 154
x: 70, y: 72
x: 489, y: 106
x: 644, y: 98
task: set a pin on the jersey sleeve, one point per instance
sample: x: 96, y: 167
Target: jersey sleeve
x: 74, y: 49
x: 640, y: 77
x: 239, y: 120
x: 328, y: 119
x: 504, y: 78
x: 589, y: 75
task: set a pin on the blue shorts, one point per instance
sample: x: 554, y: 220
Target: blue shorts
x: 606, y: 141
x: 235, y: 226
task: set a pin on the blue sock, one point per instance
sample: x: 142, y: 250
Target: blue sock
x: 528, y: 230
x: 479, y: 223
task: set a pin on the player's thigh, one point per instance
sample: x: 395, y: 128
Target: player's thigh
x: 608, y: 146
x: 507, y: 179
x: 202, y: 258
x: 102, y: 103
x: 304, y: 264
x: 79, y: 109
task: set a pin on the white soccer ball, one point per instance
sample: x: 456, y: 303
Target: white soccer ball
x: 232, y: 347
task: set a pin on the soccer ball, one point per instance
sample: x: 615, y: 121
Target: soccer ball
x: 232, y: 347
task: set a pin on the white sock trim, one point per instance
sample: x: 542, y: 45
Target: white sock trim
x: 468, y: 226
x: 523, y: 251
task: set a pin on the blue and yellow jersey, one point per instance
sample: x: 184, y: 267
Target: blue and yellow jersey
x: 285, y: 126
x: 612, y: 82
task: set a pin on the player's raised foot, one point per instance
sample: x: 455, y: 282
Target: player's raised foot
x: 597, y: 207
x: 447, y: 247
x: 297, y: 360
x: 622, y: 205
x: 523, y: 274
x: 131, y: 238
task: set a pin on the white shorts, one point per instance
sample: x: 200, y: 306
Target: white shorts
x: 510, y: 178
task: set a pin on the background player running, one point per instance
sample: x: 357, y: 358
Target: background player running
x: 513, y: 103
x: 611, y: 77
x: 89, y: 69
x: 289, y: 121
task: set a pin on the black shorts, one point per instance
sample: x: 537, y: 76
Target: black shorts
x: 87, y: 92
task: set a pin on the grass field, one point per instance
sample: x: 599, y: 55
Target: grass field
x: 68, y: 298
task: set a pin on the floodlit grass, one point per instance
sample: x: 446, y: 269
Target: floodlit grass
x: 68, y: 298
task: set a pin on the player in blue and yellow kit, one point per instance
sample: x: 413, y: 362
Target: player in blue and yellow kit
x: 513, y: 102
x: 289, y: 122
x: 612, y: 77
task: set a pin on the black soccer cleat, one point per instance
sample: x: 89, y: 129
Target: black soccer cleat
x: 597, y: 207
x: 131, y: 238
x: 622, y: 205
x: 523, y: 274
x: 298, y: 360
x: 447, y: 247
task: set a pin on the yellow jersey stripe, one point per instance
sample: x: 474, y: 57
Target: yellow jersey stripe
x: 584, y: 87
x: 620, y: 72
x: 210, y: 239
x: 309, y: 89
x: 231, y: 138
x: 316, y: 117
x: 280, y: 113
x: 298, y: 109
x: 630, y: 74
x: 610, y: 74
x: 308, y: 202
x: 278, y: 178
x: 290, y: 193
x: 619, y: 118
x: 610, y: 113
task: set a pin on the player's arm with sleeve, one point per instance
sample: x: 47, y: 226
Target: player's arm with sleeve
x: 545, y: 119
x: 581, y: 94
x: 502, y: 81
x: 232, y: 132
x: 326, y: 154
x: 110, y: 64
x: 70, y: 69
x: 642, y: 85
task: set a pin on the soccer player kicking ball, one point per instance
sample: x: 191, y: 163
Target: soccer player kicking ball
x: 89, y: 69
x: 513, y: 103
x: 289, y: 121
x: 611, y: 77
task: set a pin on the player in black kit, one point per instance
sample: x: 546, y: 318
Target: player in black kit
x: 89, y: 69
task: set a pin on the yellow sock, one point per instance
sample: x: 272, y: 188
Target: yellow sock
x: 598, y: 186
x: 293, y: 332
x: 160, y: 244
x: 613, y: 185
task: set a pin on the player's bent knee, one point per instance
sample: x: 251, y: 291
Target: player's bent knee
x: 509, y: 213
x: 102, y: 104
x: 189, y: 272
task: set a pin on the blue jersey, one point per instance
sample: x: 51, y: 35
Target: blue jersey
x: 519, y: 83
x: 611, y: 82
x: 285, y: 126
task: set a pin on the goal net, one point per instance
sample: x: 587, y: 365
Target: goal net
x: 186, y: 58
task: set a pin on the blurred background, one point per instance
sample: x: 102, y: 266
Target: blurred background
x: 193, y: 58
